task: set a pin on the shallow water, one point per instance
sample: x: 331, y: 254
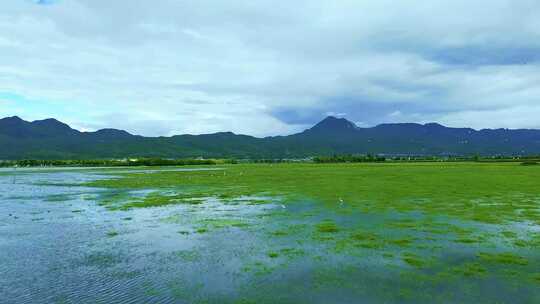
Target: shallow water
x: 58, y: 244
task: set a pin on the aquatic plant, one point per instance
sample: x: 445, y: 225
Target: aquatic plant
x: 218, y: 223
x: 431, y: 210
x: 202, y: 230
x: 414, y: 260
x: 470, y: 269
x: 327, y: 226
x: 112, y: 233
x: 503, y: 258
x: 453, y: 189
x: 273, y: 254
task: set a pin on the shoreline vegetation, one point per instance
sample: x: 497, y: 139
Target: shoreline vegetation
x: 153, y: 162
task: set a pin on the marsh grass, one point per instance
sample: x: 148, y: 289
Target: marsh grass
x: 425, y: 209
x: 486, y: 193
x: 273, y: 254
x: 212, y: 224
x: 292, y: 252
x: 259, y: 268
x: 288, y: 230
x: 365, y: 239
x: 156, y: 199
x: 507, y: 258
x: 470, y: 269
x: 471, y: 239
x: 201, y: 230
x: 509, y: 234
x: 406, y: 242
x: 327, y: 226
x: 414, y: 260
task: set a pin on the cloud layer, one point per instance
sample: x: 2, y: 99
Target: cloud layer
x: 266, y: 67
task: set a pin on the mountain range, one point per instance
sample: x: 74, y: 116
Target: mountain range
x: 52, y: 139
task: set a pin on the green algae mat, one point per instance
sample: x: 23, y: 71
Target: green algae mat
x: 414, y: 232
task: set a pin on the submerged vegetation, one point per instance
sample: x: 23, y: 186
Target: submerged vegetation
x: 503, y: 258
x: 362, y: 228
x: 481, y: 192
x: 418, y: 205
x: 112, y: 233
x: 327, y: 227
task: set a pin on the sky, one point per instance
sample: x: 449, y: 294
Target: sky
x: 159, y: 68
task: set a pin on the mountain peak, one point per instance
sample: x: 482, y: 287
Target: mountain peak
x: 108, y: 132
x: 12, y: 118
x: 14, y: 126
x: 12, y: 121
x: 48, y: 120
x: 332, y: 124
x: 434, y: 125
x: 52, y: 126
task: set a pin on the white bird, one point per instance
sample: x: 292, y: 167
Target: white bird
x: 341, y: 202
x: 283, y: 206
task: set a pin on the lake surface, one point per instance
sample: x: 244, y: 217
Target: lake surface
x: 60, y: 244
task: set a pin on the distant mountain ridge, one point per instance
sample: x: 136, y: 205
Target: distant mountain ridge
x: 52, y: 139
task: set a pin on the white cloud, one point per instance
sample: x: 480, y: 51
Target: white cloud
x: 193, y: 67
x: 501, y: 118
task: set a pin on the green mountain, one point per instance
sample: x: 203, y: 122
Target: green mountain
x: 52, y: 139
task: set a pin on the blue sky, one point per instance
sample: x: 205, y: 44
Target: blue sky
x: 44, y: 2
x: 265, y: 67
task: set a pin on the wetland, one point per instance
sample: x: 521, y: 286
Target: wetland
x: 272, y: 233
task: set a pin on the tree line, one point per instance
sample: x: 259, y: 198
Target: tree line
x: 349, y: 159
x: 111, y: 162
x: 369, y: 158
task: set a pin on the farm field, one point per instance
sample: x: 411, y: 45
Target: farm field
x: 261, y: 233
